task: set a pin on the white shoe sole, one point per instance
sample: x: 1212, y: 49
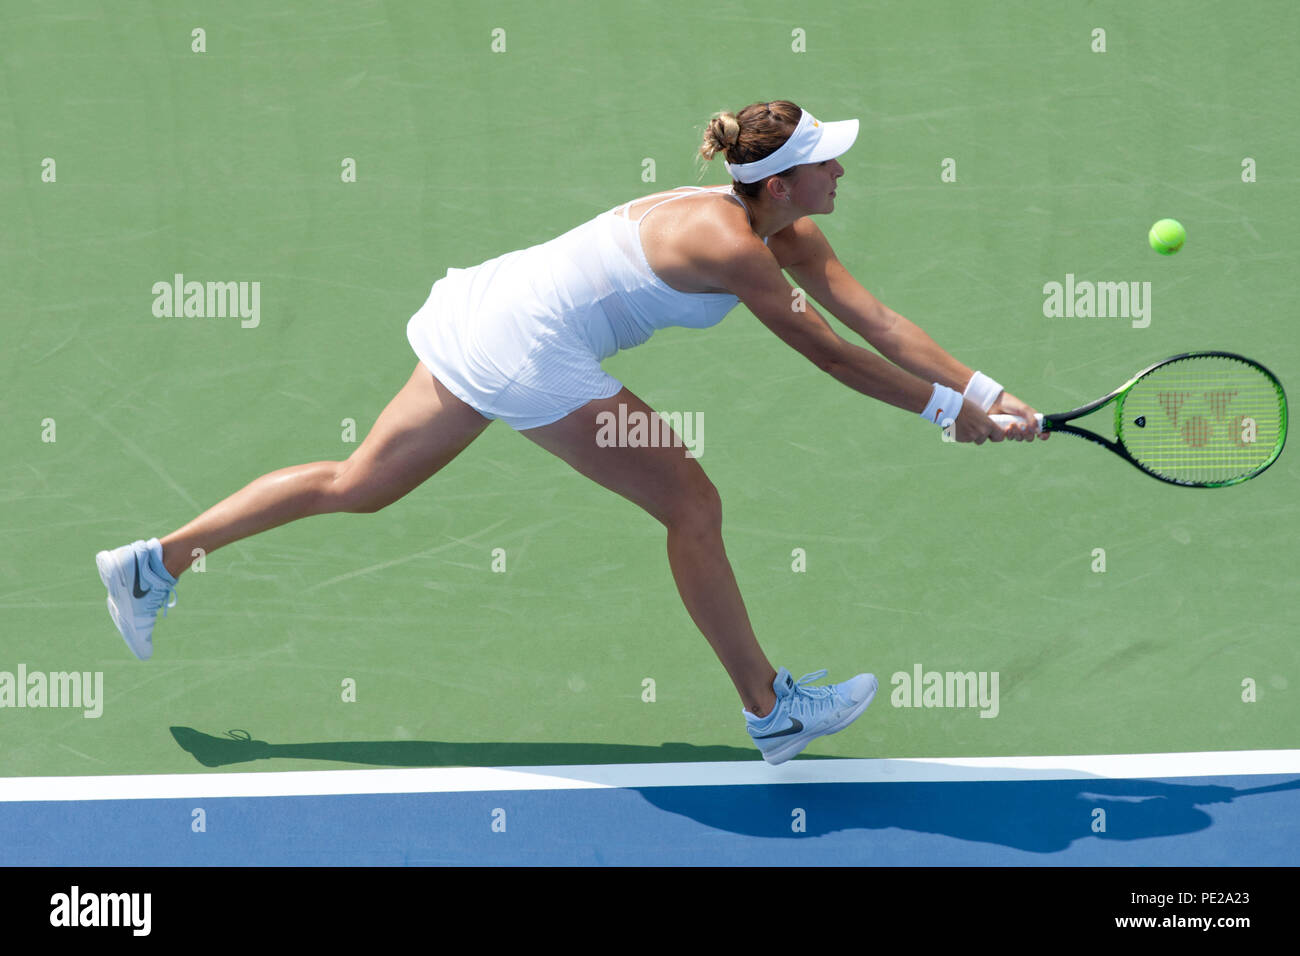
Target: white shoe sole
x: 107, y: 567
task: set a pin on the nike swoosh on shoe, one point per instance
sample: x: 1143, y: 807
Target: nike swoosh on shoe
x: 796, y: 726
x: 135, y: 587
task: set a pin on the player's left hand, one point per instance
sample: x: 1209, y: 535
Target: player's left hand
x: 1008, y: 404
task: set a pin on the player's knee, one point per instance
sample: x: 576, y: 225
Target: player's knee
x: 697, y: 507
x: 350, y: 491
x: 361, y: 500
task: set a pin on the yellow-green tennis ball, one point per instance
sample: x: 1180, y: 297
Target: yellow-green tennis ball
x: 1167, y: 236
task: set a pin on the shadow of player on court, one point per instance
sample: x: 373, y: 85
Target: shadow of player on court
x: 237, y: 746
x: 1039, y: 816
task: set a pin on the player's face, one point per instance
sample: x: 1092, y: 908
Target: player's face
x: 813, y: 186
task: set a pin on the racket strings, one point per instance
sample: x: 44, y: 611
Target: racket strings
x: 1204, y: 420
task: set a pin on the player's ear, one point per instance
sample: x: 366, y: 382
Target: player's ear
x: 777, y: 188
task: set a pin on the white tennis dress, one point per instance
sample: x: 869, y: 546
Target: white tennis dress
x: 521, y: 337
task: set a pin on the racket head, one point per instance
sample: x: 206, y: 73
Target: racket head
x: 1202, y: 419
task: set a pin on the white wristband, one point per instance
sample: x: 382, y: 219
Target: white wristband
x: 982, y: 391
x: 944, y: 405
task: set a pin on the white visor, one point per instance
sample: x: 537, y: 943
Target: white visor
x: 811, y: 142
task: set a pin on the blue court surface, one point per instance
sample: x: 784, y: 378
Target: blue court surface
x: 838, y: 812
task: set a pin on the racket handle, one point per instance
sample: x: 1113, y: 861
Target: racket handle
x: 1007, y: 421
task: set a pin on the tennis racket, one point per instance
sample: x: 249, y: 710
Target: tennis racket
x: 1200, y: 419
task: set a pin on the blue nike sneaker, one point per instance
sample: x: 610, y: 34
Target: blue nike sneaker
x: 138, y: 584
x: 803, y: 712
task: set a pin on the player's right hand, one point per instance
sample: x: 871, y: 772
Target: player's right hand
x: 1008, y: 404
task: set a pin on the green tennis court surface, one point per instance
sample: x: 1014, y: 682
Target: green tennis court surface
x: 1100, y: 611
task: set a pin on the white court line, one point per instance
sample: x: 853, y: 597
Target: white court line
x: 635, y: 776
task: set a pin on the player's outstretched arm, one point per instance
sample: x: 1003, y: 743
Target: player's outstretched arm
x: 752, y: 272
x: 807, y: 255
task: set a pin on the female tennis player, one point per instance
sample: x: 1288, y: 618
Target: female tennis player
x: 520, y: 338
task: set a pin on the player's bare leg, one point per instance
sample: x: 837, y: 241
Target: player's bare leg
x: 674, y: 489
x: 422, y: 429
